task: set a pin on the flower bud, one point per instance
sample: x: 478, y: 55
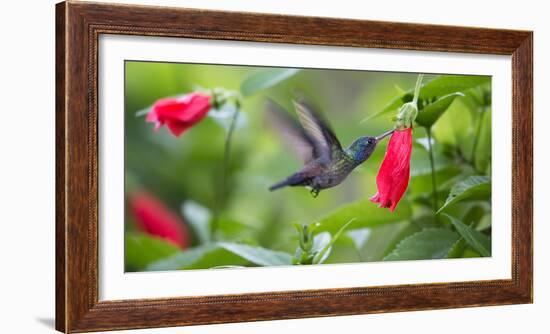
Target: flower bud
x: 406, y: 116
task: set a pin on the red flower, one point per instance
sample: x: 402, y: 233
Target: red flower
x: 179, y: 114
x: 154, y: 218
x: 393, y: 177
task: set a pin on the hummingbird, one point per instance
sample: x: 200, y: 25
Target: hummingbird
x: 326, y: 162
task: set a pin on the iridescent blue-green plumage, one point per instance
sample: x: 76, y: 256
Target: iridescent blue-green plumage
x: 326, y: 163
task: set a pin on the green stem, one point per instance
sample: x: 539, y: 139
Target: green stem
x: 225, y: 168
x: 432, y: 164
x: 430, y: 149
x: 417, y: 88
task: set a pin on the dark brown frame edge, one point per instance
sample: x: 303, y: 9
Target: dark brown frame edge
x: 78, y: 26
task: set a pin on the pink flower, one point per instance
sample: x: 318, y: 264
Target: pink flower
x: 393, y: 177
x: 179, y: 114
x: 155, y: 219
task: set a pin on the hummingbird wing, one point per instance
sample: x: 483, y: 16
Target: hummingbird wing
x: 317, y: 129
x: 293, y: 134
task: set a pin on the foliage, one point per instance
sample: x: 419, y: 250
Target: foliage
x: 265, y: 78
x: 364, y: 214
x: 236, y: 222
x: 479, y: 241
x: 315, y: 249
x: 472, y: 188
x: 220, y: 254
x: 141, y: 250
x: 434, y: 110
x: 430, y: 243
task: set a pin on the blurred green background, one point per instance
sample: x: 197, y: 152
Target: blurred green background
x: 189, y: 168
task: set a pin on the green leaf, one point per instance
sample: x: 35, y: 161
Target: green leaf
x: 477, y: 240
x: 323, y: 254
x: 474, y: 213
x: 221, y: 255
x: 202, y: 257
x: 365, y: 213
x: 430, y: 243
x: 447, y: 84
x: 438, y: 87
x: 484, y: 223
x: 264, y: 78
x: 457, y: 250
x: 258, y: 255
x: 198, y: 217
x: 470, y: 253
x: 431, y: 112
x: 482, y: 155
x: 473, y: 188
x: 141, y: 249
x: 383, y: 240
x: 234, y: 231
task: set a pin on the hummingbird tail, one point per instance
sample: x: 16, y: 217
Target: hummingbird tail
x: 279, y: 185
x: 293, y: 180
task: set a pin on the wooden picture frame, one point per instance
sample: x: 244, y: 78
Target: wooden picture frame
x: 78, y: 27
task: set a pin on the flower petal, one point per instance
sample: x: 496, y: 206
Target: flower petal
x: 393, y: 177
x: 179, y: 114
x: 197, y: 107
x: 155, y: 219
x: 177, y: 128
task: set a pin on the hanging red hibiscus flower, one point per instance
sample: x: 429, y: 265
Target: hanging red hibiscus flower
x: 393, y: 177
x: 155, y: 219
x: 181, y: 113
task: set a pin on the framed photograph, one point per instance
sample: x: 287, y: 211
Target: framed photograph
x: 223, y: 166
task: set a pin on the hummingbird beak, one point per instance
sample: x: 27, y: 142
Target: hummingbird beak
x: 384, y: 135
